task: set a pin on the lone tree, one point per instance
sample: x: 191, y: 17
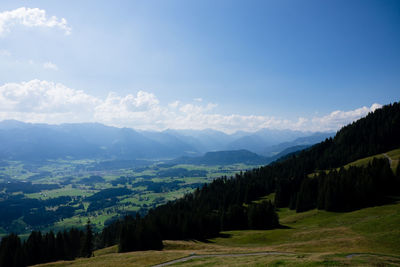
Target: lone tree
x: 87, y: 248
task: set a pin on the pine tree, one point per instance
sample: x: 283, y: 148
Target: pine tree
x: 60, y: 249
x: 34, y: 247
x: 11, y: 254
x: 262, y: 216
x: 87, y: 247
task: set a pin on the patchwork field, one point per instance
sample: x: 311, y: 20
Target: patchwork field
x: 54, y: 195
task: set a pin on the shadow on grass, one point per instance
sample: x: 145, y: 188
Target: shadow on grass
x: 284, y: 227
x: 221, y: 235
x: 225, y: 235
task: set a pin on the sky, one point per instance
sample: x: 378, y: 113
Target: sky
x: 184, y: 64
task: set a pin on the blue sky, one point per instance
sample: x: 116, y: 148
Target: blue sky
x: 227, y: 65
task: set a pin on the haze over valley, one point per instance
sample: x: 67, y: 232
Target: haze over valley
x: 27, y: 141
x: 199, y: 133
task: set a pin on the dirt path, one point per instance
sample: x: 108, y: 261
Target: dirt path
x: 218, y: 255
x: 390, y: 160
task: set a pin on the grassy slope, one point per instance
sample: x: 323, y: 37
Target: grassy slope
x: 314, y: 238
x: 373, y: 230
x: 393, y: 154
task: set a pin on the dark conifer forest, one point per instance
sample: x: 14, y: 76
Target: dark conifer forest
x: 41, y: 248
x: 229, y: 202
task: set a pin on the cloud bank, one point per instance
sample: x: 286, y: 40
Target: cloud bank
x: 48, y: 102
x: 50, y: 66
x: 30, y: 17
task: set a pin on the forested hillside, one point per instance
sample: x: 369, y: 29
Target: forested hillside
x: 228, y: 203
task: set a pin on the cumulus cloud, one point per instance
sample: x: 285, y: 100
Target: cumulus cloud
x: 43, y: 101
x: 31, y: 17
x: 50, y: 66
x: 49, y: 102
x: 339, y: 118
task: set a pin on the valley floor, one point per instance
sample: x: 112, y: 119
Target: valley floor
x: 367, y: 237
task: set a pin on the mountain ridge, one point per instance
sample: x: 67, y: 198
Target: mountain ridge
x: 225, y: 158
x: 28, y: 141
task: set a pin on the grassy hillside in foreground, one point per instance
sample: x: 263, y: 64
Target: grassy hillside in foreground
x: 369, y: 236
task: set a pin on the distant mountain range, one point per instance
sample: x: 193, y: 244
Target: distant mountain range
x: 265, y: 142
x: 291, y: 146
x: 27, y: 141
x: 225, y: 158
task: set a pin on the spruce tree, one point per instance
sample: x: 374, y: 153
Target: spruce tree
x: 11, y: 254
x: 87, y: 247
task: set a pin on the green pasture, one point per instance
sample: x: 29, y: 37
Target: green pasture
x: 366, y: 237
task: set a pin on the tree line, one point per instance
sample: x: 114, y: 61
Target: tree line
x: 348, y: 189
x: 42, y: 248
x: 187, y: 218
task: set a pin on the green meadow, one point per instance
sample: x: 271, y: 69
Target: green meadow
x: 366, y: 237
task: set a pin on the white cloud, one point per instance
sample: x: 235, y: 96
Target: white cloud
x: 5, y: 53
x: 174, y: 104
x: 50, y: 66
x: 31, y: 17
x: 48, y: 102
x: 197, y: 109
x: 42, y: 101
x: 339, y: 118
